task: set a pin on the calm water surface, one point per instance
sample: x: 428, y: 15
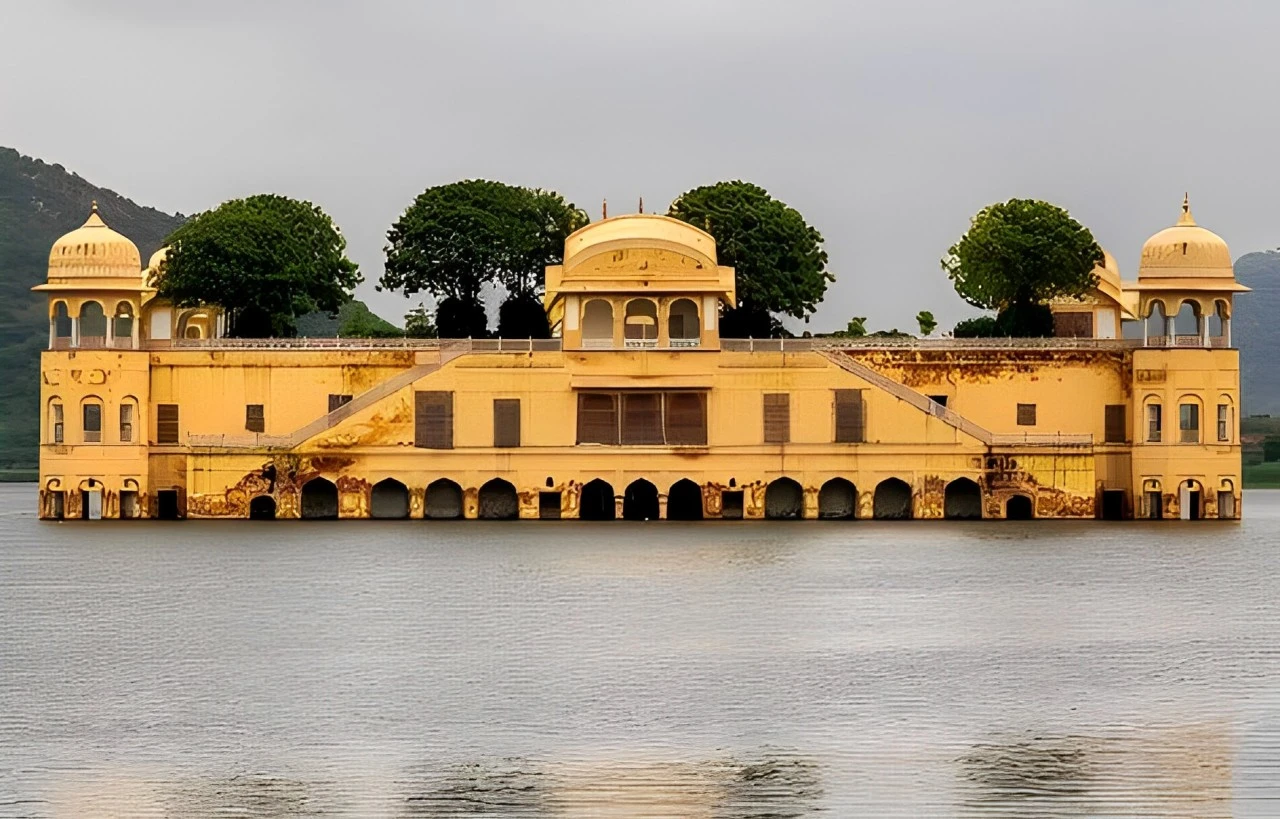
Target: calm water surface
x: 735, y: 671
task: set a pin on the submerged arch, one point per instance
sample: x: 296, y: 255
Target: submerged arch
x: 596, y: 501
x: 443, y: 501
x: 784, y: 500
x: 498, y: 501
x: 892, y: 500
x: 319, y: 500
x: 389, y: 500
x: 684, y: 501
x: 837, y: 500
x: 962, y: 500
x: 640, y: 501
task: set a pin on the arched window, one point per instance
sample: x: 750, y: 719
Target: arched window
x: 1189, y: 420
x: 1186, y: 324
x: 1156, y: 324
x: 1226, y: 419
x: 1220, y: 325
x: 56, y: 425
x: 91, y: 420
x: 61, y: 324
x: 641, y: 324
x: 93, y: 324
x: 1154, y: 416
x: 128, y: 419
x: 123, y: 329
x: 597, y: 324
x: 682, y: 323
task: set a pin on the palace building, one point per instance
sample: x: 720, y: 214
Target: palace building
x: 638, y: 409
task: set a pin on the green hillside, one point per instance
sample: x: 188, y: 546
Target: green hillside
x: 1255, y: 331
x: 39, y: 203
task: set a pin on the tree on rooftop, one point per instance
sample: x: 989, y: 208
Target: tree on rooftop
x: 1016, y: 256
x: 265, y: 259
x: 456, y: 239
x: 778, y: 258
x: 927, y: 322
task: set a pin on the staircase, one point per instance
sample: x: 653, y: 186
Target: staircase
x: 918, y: 400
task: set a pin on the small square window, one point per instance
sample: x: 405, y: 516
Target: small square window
x: 1026, y: 415
x: 255, y: 418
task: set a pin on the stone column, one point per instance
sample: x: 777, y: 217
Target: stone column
x: 111, y: 331
x: 662, y: 506
x: 53, y: 330
x: 1204, y: 331
x: 1170, y: 329
x: 1226, y: 331
x: 75, y: 331
x: 134, y: 332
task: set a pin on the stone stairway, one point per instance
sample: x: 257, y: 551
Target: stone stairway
x: 918, y: 400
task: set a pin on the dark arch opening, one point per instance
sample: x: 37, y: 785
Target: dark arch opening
x: 962, y: 500
x: 784, y: 500
x: 1018, y: 508
x: 892, y: 500
x: 684, y: 501
x: 498, y: 501
x: 837, y: 500
x: 262, y: 507
x: 443, y: 501
x: 596, y: 501
x: 319, y: 500
x: 389, y: 500
x: 640, y: 501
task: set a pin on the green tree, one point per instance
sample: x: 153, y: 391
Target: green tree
x: 856, y: 328
x: 779, y: 260
x: 1271, y: 448
x: 357, y: 321
x: 980, y: 327
x: 1016, y: 256
x: 266, y: 260
x: 927, y: 322
x: 418, y: 323
x: 455, y: 239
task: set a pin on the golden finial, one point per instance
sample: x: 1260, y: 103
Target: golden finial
x: 1186, y: 218
x: 604, y: 209
x: 642, y: 204
x: 93, y: 206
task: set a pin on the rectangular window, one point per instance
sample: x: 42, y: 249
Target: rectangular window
x: 851, y: 417
x: 1073, y: 325
x: 57, y: 423
x: 777, y: 417
x: 126, y: 423
x: 685, y: 417
x: 432, y: 419
x: 506, y: 422
x: 940, y: 400
x: 166, y: 423
x: 1116, y: 432
x: 1026, y: 415
x: 1154, y: 431
x: 92, y: 423
x: 336, y: 401
x: 255, y: 419
x: 597, y: 418
x: 1189, y: 423
x: 1224, y: 422
x: 642, y: 418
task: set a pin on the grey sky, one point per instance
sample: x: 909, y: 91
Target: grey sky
x: 886, y: 123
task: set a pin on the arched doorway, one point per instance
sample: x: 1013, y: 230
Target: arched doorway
x: 892, y: 500
x: 1019, y: 507
x: 443, y: 501
x: 684, y: 501
x: 682, y: 323
x: 1190, y: 500
x: 596, y: 501
x: 498, y: 501
x: 597, y: 324
x: 837, y: 500
x: 389, y: 500
x: 640, y: 501
x: 962, y: 500
x: 319, y: 500
x: 784, y: 500
x: 263, y: 507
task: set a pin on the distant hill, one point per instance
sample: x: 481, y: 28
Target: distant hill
x: 39, y: 203
x: 1255, y: 330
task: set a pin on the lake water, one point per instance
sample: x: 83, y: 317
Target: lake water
x: 726, y: 670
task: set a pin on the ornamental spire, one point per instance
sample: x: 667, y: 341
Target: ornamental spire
x: 1186, y: 219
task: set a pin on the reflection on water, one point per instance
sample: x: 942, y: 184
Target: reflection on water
x: 747, y: 671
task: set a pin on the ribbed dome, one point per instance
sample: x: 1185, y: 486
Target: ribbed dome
x: 94, y: 250
x: 1185, y: 251
x: 156, y: 258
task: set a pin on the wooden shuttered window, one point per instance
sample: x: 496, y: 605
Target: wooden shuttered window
x: 166, y: 423
x: 506, y: 422
x: 685, y: 418
x: 597, y: 418
x: 1026, y: 415
x: 336, y: 401
x: 1073, y: 325
x: 851, y: 417
x: 255, y: 419
x: 777, y: 417
x: 433, y: 419
x: 1116, y: 427
x: 642, y: 418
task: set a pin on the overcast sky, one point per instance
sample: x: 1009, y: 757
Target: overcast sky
x: 887, y: 124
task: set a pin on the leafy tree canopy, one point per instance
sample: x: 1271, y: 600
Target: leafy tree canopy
x: 779, y: 260
x: 418, y: 323
x: 266, y: 260
x: 927, y: 322
x: 456, y: 238
x: 1019, y: 254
